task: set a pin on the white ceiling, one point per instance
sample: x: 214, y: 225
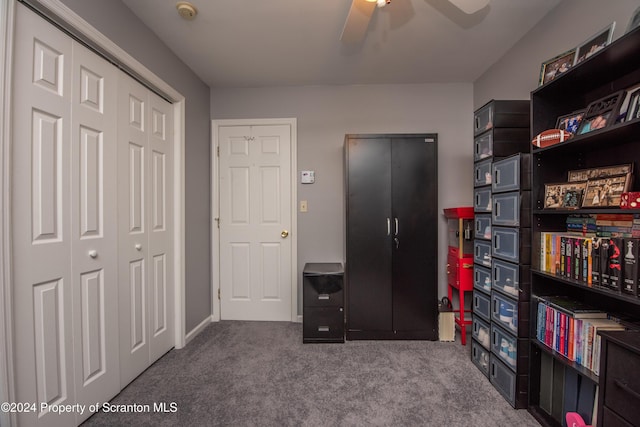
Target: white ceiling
x: 252, y: 43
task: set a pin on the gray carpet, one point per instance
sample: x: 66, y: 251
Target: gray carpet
x: 260, y: 374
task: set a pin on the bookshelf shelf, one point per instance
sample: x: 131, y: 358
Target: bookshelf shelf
x: 579, y: 284
x: 573, y: 365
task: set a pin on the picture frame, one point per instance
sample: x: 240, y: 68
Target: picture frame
x: 605, y: 192
x: 564, y: 195
x: 601, y: 113
x: 571, y: 122
x: 633, y: 110
x: 634, y: 22
x: 556, y: 66
x: 581, y: 175
x: 595, y: 43
x: 627, y: 103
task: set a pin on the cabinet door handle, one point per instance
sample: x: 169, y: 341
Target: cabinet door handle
x: 396, y: 221
x: 625, y: 387
x: 388, y: 226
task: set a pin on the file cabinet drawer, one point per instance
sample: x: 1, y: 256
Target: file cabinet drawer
x: 481, y: 331
x: 480, y: 357
x: 512, y: 209
x: 482, y: 226
x: 482, y: 173
x: 482, y: 252
x: 482, y: 305
x: 323, y: 324
x: 482, y: 278
x: 482, y: 199
x: 512, y: 173
x: 504, y: 311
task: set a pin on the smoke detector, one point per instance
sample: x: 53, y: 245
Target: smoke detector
x: 186, y: 10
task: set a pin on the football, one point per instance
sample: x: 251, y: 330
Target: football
x: 550, y: 137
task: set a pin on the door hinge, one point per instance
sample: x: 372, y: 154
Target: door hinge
x: 217, y: 220
x: 218, y: 293
x: 218, y: 150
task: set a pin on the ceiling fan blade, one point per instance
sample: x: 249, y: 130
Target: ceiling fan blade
x: 357, y: 21
x: 469, y: 6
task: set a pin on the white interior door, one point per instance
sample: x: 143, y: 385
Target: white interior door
x: 255, y: 219
x: 145, y: 238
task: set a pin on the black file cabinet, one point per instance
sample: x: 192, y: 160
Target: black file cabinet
x: 323, y: 303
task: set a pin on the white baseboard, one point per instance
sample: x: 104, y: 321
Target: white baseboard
x: 299, y: 320
x: 195, y: 331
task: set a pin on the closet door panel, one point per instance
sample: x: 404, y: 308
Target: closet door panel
x: 369, y: 226
x: 414, y: 195
x: 133, y: 238
x: 41, y: 226
x: 94, y: 228
x: 160, y: 187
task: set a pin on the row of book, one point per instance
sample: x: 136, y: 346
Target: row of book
x: 605, y: 225
x: 605, y: 262
x: 571, y: 329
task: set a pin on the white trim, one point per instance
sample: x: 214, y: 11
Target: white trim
x: 89, y: 34
x: 195, y: 331
x: 215, y: 208
x: 7, y: 384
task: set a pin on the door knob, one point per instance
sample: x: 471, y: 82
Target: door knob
x: 93, y: 253
x: 284, y: 234
x: 138, y: 247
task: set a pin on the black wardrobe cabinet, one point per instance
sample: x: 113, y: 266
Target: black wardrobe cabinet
x: 392, y: 236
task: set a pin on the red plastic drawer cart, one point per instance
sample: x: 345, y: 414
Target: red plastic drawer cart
x: 460, y: 262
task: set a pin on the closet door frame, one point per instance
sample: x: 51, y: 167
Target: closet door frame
x: 80, y: 28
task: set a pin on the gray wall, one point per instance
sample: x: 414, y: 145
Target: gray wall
x: 116, y: 21
x: 570, y: 24
x: 326, y: 113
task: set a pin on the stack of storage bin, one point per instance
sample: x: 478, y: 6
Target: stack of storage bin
x: 501, y: 206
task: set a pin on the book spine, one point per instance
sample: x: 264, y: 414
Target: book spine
x: 630, y: 270
x: 577, y: 260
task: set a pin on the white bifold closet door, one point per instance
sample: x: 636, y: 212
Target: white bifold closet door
x: 145, y: 242
x: 92, y: 235
x: 64, y: 224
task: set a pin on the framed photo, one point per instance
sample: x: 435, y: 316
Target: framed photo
x: 595, y: 43
x: 605, y: 192
x: 633, y: 110
x: 601, y: 113
x: 564, y: 195
x: 623, y: 112
x: 556, y: 66
x: 603, y: 172
x: 570, y: 122
x: 634, y: 21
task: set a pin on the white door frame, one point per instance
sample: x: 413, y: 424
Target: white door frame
x: 215, y: 208
x: 88, y: 33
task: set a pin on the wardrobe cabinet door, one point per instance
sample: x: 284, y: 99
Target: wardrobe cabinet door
x: 415, y: 236
x: 369, y: 224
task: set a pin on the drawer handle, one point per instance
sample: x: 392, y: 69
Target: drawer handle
x: 626, y: 388
x: 323, y: 329
x: 323, y: 296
